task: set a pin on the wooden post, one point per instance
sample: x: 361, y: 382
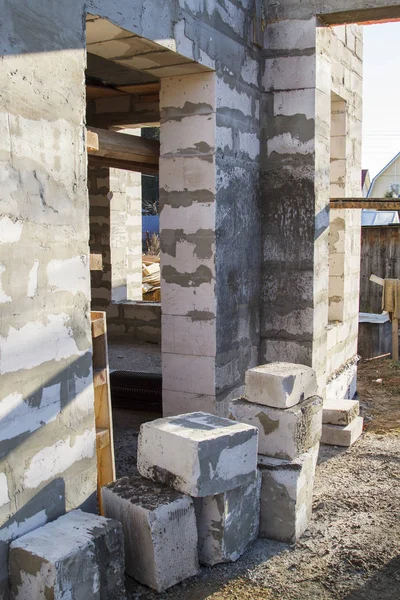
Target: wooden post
x: 395, y: 339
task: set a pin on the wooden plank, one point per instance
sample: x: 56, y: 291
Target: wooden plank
x: 96, y: 262
x: 102, y: 405
x: 120, y: 146
x: 102, y: 161
x: 395, y: 339
x: 377, y: 280
x: 98, y: 91
x: 148, y: 118
x: 364, y: 203
x: 97, y: 327
x: 140, y: 88
x: 102, y: 438
x: 99, y: 377
x: 92, y: 141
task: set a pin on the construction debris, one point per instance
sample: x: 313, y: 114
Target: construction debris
x: 334, y: 435
x: 151, y: 275
x: 78, y: 556
x: 198, y: 453
x: 160, y: 530
x: 341, y: 424
x: 280, y: 385
x: 289, y: 423
x: 286, y: 495
x: 282, y: 433
x: 227, y: 523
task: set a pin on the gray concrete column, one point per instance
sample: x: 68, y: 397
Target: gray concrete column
x: 295, y: 194
x: 187, y: 232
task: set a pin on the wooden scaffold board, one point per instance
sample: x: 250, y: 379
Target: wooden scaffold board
x: 102, y: 404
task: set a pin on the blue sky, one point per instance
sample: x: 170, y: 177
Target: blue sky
x: 381, y: 95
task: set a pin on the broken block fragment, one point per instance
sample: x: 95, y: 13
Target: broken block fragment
x: 198, y: 453
x: 227, y: 523
x: 334, y: 435
x: 160, y: 530
x: 78, y: 556
x: 340, y: 412
x: 280, y: 385
x: 286, y: 495
x: 282, y: 433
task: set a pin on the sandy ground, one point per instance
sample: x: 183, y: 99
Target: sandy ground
x: 352, y: 548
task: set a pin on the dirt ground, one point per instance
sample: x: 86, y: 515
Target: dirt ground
x: 352, y: 548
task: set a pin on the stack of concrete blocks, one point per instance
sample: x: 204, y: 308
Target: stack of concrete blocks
x: 342, y: 425
x: 159, y: 527
x: 78, y: 556
x: 280, y: 401
x: 212, y: 462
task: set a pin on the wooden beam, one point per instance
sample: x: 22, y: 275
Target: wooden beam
x: 125, y: 165
x: 140, y: 88
x: 92, y: 142
x: 115, y: 146
x: 99, y: 91
x: 369, y: 203
x: 128, y: 119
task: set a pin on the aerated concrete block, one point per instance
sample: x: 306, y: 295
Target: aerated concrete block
x: 228, y: 523
x: 282, y: 433
x: 198, y: 453
x: 340, y: 412
x: 286, y: 495
x: 334, y: 435
x: 160, y: 530
x: 78, y: 556
x: 280, y: 385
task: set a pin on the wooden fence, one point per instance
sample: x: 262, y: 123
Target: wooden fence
x: 380, y: 255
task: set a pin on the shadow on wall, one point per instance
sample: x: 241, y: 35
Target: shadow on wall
x: 47, y: 453
x: 46, y: 505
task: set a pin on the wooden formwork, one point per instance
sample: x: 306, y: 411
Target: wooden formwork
x: 102, y: 404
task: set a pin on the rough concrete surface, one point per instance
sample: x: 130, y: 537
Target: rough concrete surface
x: 286, y: 495
x: 342, y: 436
x: 78, y: 556
x: 280, y: 385
x: 198, y: 453
x: 350, y: 551
x: 159, y: 529
x: 340, y: 412
x: 227, y: 523
x: 282, y: 433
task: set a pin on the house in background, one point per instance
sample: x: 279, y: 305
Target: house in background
x: 365, y: 182
x: 387, y: 180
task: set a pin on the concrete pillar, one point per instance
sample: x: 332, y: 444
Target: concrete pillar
x: 116, y: 233
x: 187, y: 232
x: 295, y: 194
x: 126, y: 235
x: 99, y: 215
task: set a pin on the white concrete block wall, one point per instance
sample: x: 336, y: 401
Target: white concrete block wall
x: 345, y: 224
x: 187, y: 226
x: 126, y: 234
x: 47, y: 449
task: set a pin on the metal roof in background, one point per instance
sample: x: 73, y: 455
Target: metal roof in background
x: 379, y: 217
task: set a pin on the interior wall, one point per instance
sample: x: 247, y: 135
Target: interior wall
x: 116, y: 234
